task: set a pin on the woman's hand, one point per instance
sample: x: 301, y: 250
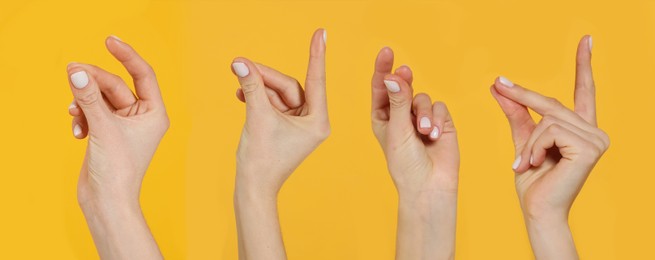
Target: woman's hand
x: 284, y: 124
x: 124, y: 131
x: 419, y: 141
x: 555, y: 156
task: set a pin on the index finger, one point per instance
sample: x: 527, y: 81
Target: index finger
x: 145, y: 81
x: 315, y: 93
x: 541, y: 104
x: 585, y: 89
x: 383, y: 66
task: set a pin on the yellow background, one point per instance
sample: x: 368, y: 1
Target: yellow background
x: 341, y: 203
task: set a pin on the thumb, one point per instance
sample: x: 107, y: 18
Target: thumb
x: 400, y: 102
x: 252, y: 84
x: 87, y: 95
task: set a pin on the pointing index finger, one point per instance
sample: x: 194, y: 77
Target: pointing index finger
x: 585, y: 89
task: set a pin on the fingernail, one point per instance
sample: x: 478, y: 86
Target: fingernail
x: 435, y: 133
x: 79, y: 79
x: 531, y: 159
x: 324, y: 36
x: 516, y: 163
x: 425, y: 122
x: 240, y: 69
x: 392, y: 86
x: 591, y: 43
x: 72, y: 105
x: 116, y: 38
x: 77, y: 130
x: 505, y: 81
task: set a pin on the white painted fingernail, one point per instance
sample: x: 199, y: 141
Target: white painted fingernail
x: 505, y: 81
x: 435, y: 133
x: 116, y: 38
x: 392, y: 86
x: 77, y: 130
x: 516, y: 163
x: 72, y: 105
x: 79, y: 79
x: 425, y: 122
x: 591, y: 43
x: 324, y: 36
x: 531, y: 159
x: 240, y: 69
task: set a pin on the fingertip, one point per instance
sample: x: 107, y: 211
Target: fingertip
x: 318, y: 43
x: 241, y: 67
x: 77, y: 131
x: 392, y: 86
x: 516, y: 165
x: 114, y: 46
x: 502, y: 81
x: 435, y: 133
x: 423, y: 124
x: 385, y: 56
x: 590, y: 43
x: 78, y: 77
x: 405, y: 72
x: 386, y: 50
x: 394, y: 83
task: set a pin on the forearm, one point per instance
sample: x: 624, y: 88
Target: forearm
x: 258, y: 225
x: 120, y: 231
x: 551, y: 238
x: 426, y: 227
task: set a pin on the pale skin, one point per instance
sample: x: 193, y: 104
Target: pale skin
x: 554, y: 156
x: 123, y: 132
x: 284, y: 124
x: 419, y: 141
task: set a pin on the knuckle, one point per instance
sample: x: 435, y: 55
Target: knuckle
x: 439, y: 105
x: 322, y: 131
x: 440, y: 108
x: 398, y: 102
x: 554, y: 129
x: 548, y: 120
x: 553, y: 102
x: 421, y: 97
x: 88, y: 98
x: 249, y: 87
x: 605, y: 138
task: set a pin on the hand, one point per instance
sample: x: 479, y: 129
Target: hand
x: 284, y: 124
x: 555, y: 156
x: 419, y: 141
x: 124, y: 131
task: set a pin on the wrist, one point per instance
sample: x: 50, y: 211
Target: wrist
x: 256, y: 184
x: 550, y: 236
x: 551, y: 223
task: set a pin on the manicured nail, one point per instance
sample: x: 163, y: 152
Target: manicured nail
x: 505, y: 81
x: 591, y: 43
x: 77, y: 130
x: 531, y: 159
x: 116, y: 38
x: 72, y: 105
x: 425, y: 122
x: 324, y: 36
x: 392, y: 86
x: 240, y: 69
x: 435, y: 133
x: 516, y: 163
x: 79, y: 79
